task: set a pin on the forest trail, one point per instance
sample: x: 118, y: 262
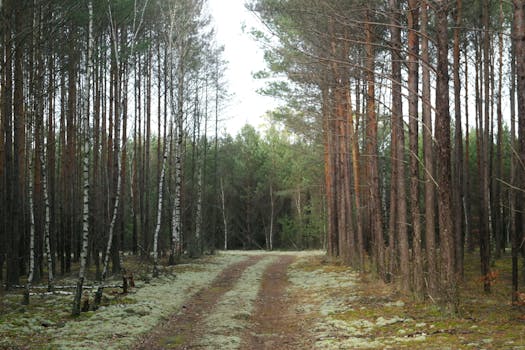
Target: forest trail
x: 275, y: 324
x: 271, y: 324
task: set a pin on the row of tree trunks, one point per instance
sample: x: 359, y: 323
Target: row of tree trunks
x: 64, y: 179
x: 402, y: 259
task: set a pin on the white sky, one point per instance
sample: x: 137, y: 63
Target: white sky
x: 244, y: 58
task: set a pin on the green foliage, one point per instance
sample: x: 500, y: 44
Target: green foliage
x: 289, y: 230
x: 256, y: 169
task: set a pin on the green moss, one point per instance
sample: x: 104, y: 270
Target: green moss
x: 121, y: 301
x: 172, y: 341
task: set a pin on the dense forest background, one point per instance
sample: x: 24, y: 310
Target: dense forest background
x: 399, y: 146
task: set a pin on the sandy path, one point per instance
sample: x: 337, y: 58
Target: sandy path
x: 249, y: 306
x: 274, y: 323
x: 180, y: 329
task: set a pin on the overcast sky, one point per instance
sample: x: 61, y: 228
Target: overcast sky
x: 244, y: 58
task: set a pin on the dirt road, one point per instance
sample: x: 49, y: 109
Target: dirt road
x: 209, y: 320
x: 275, y: 322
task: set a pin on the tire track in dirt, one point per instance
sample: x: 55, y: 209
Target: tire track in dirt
x: 180, y: 330
x: 274, y: 323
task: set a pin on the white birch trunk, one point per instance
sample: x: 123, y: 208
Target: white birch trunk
x: 176, y: 216
x: 113, y: 221
x: 25, y: 300
x: 85, y: 169
x: 112, y: 224
x: 177, y: 112
x: 176, y: 228
x: 47, y: 224
x: 224, y: 218
x: 159, y: 210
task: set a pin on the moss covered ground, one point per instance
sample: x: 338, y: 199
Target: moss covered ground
x: 46, y: 323
x: 351, y: 311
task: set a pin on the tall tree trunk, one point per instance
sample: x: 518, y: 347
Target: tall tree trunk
x: 47, y: 223
x: 11, y: 247
x: 159, y: 209
x: 428, y: 153
x: 413, y: 79
x: 200, y: 161
x: 519, y: 47
x: 515, y: 241
x: 176, y: 229
x: 62, y: 196
x: 486, y: 230
x: 214, y: 228
x: 328, y: 173
x: 47, y: 155
x: 458, y: 149
x: 372, y: 152
x: 354, y: 149
x: 117, y: 164
x: 469, y: 242
x: 135, y: 191
x: 446, y: 228
x: 124, y: 160
x: 19, y: 155
x: 499, y: 230
x: 30, y: 186
x: 85, y: 167
x: 147, y: 161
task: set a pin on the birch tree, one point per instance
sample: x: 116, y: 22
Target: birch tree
x: 31, y: 274
x: 85, y: 166
x: 47, y: 223
x: 159, y: 208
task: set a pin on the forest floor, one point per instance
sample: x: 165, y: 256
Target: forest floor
x: 261, y: 300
